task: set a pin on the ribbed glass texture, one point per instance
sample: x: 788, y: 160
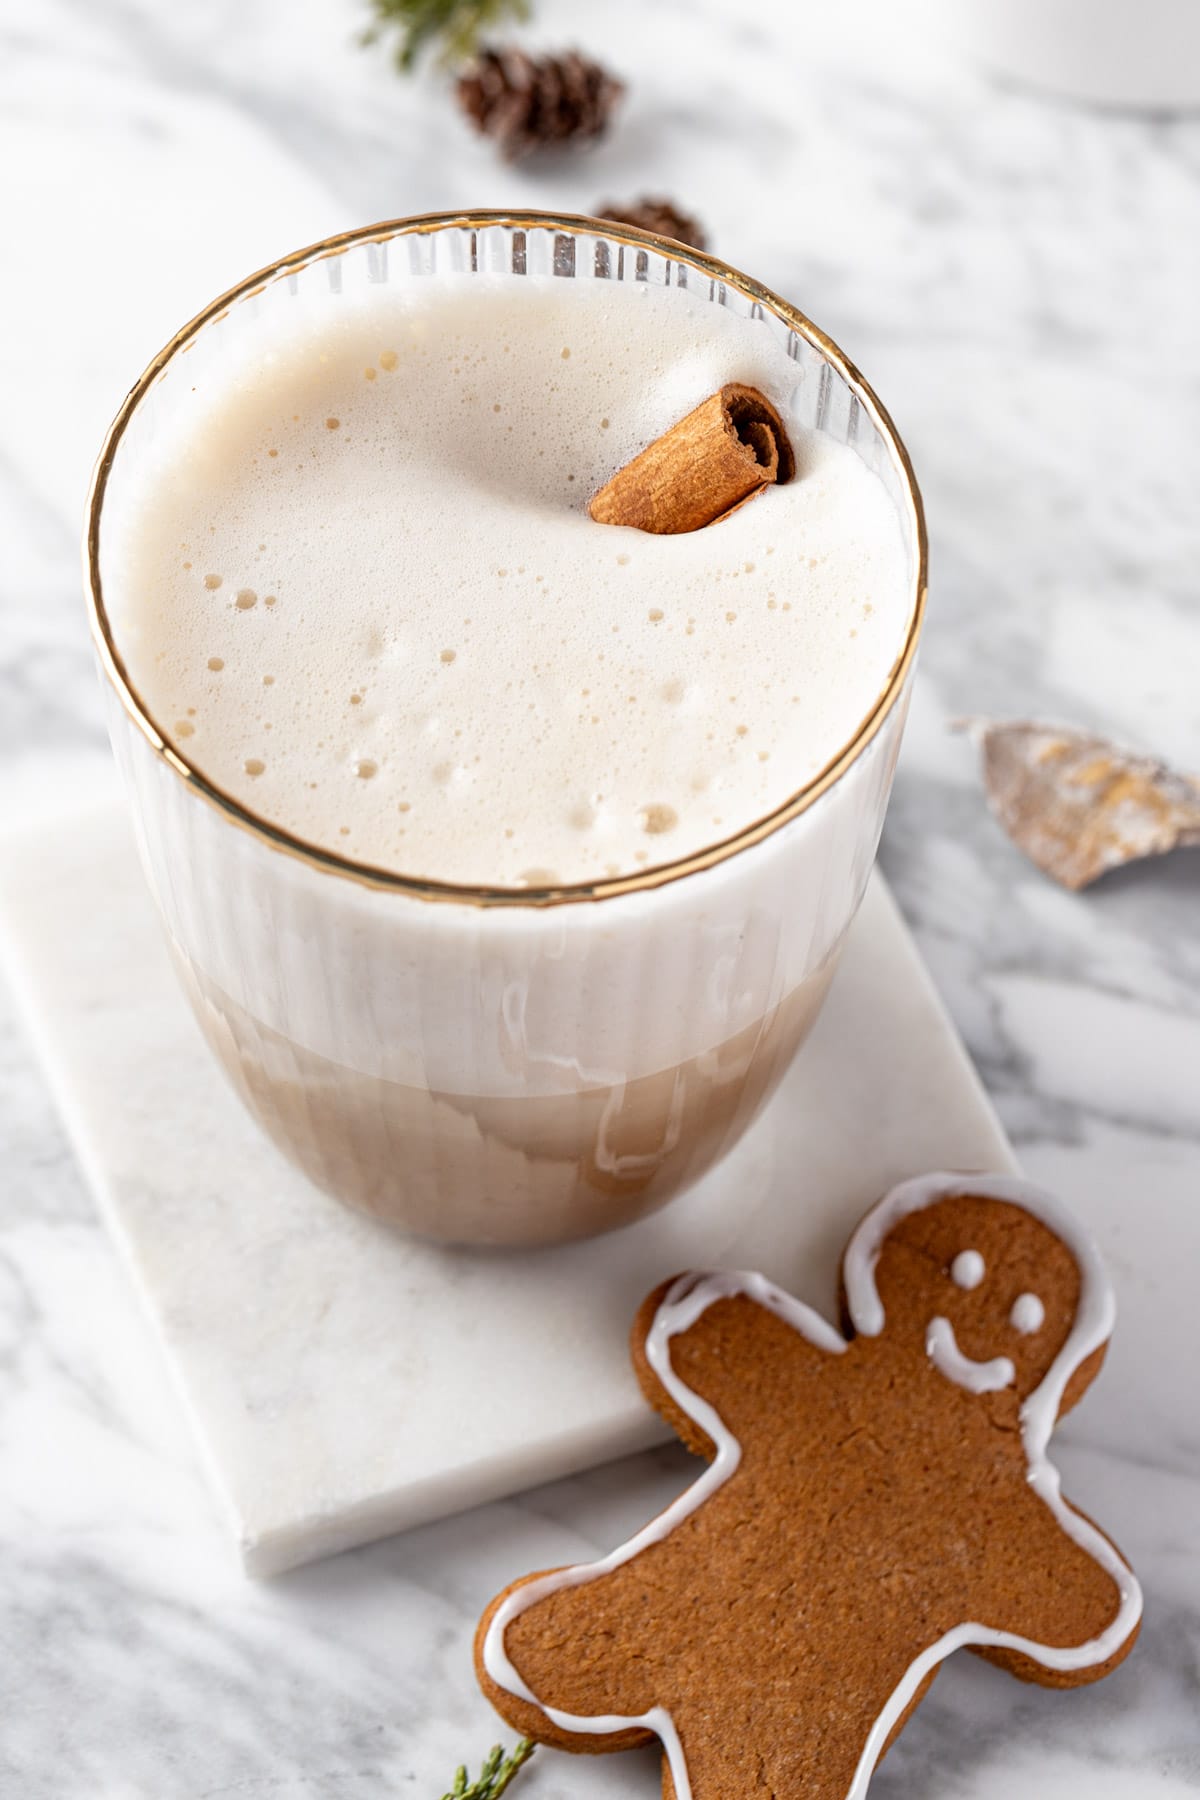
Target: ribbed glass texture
x: 497, y: 1073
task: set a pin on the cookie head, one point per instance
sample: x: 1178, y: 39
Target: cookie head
x: 988, y: 1291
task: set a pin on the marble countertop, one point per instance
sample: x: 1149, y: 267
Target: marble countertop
x: 1019, y: 279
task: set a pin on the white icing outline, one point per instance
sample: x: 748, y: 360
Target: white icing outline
x: 967, y: 1270
x: 941, y: 1347
x: 1028, y: 1314
x: 691, y: 1295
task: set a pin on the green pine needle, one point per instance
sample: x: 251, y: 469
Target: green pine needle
x: 497, y: 1771
x: 453, y: 25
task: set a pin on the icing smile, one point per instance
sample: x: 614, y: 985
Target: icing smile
x: 978, y: 1377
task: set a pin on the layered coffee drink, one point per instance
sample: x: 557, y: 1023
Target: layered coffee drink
x: 361, y: 598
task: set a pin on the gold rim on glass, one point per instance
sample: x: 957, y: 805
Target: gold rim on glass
x: 473, y: 894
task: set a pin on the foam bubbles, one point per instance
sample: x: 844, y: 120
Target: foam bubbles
x: 468, y: 678
x: 658, y: 818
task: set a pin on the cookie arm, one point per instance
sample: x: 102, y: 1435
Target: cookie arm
x: 711, y: 1351
x: 691, y: 1435
x: 1070, y: 1595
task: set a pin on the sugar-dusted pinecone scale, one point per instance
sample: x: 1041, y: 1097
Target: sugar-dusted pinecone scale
x: 529, y: 103
x: 658, y: 215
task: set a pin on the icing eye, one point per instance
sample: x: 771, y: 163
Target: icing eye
x: 1028, y: 1314
x: 967, y: 1269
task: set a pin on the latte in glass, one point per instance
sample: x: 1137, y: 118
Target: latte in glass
x: 505, y: 856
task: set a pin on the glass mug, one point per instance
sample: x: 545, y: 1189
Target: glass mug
x: 487, y: 1065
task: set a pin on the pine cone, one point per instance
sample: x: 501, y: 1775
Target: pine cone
x: 532, y: 103
x: 660, y: 216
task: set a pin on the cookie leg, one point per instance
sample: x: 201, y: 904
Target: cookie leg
x: 529, y: 1718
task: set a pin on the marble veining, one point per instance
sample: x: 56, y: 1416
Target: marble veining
x: 1018, y: 278
x: 345, y: 1382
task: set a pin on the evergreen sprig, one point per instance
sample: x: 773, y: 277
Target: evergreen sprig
x: 453, y: 25
x: 497, y: 1771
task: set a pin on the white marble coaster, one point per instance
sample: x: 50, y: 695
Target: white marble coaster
x: 344, y: 1382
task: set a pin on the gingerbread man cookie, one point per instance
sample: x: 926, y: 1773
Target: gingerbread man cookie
x: 874, y: 1501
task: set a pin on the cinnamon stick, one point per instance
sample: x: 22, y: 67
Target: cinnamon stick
x: 729, y: 448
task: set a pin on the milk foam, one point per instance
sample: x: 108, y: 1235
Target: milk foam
x: 361, y: 592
